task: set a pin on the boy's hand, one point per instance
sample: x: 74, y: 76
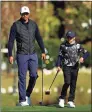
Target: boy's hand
x: 58, y: 68
x: 81, y: 60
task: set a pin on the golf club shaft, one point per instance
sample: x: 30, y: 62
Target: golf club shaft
x: 53, y: 80
x: 42, y: 81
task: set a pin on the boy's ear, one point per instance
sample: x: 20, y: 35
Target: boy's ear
x: 74, y: 38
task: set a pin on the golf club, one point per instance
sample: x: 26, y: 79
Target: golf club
x: 48, y: 91
x: 41, y: 102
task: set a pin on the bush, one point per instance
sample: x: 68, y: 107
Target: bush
x: 51, y: 48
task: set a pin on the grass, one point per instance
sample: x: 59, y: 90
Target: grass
x: 83, y: 80
x: 82, y: 100
x: 51, y: 108
x: 8, y: 103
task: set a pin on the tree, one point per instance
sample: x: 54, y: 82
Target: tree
x: 76, y: 17
x: 48, y: 23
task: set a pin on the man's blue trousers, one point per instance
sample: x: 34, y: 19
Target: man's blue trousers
x: 26, y: 62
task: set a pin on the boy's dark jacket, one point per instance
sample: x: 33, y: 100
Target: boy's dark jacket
x: 69, y: 54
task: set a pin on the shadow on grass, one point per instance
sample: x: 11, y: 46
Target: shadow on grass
x: 57, y: 106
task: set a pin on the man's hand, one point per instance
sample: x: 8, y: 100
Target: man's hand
x: 58, y: 68
x: 43, y: 56
x: 11, y: 59
x: 81, y: 60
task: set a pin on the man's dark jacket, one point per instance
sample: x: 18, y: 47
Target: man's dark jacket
x: 26, y: 34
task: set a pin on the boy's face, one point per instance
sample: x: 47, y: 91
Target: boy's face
x: 70, y: 40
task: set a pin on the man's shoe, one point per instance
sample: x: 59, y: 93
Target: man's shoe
x: 23, y: 104
x: 28, y: 100
x: 61, y: 102
x: 71, y: 104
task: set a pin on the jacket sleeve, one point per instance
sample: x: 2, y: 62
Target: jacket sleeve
x: 12, y: 37
x: 39, y: 40
x: 83, y: 52
x: 59, y: 58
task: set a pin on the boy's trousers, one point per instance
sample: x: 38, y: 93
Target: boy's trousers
x: 70, y: 79
x: 26, y: 62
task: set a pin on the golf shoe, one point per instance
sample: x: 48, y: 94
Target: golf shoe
x: 71, y: 104
x: 61, y: 102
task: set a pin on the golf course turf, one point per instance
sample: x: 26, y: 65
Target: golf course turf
x: 49, y: 108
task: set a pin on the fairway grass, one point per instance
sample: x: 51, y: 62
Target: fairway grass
x: 50, y: 108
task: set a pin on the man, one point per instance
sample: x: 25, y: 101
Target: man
x: 70, y: 55
x: 25, y: 31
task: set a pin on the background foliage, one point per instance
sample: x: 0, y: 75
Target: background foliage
x: 75, y: 16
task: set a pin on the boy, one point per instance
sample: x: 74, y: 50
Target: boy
x: 68, y: 60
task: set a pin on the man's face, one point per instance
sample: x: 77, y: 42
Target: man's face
x: 70, y: 40
x: 25, y: 16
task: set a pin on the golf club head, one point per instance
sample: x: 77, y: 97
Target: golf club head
x: 41, y: 103
x: 47, y: 92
